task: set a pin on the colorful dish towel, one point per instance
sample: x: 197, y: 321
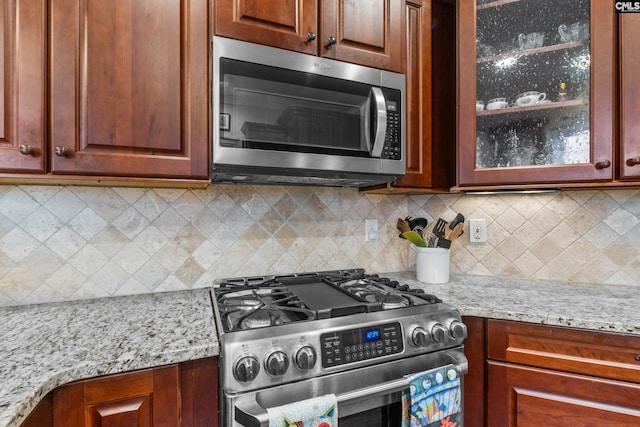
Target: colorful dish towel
x: 321, y: 411
x: 433, y: 399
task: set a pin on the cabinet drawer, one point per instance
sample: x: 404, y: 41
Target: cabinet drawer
x: 600, y: 354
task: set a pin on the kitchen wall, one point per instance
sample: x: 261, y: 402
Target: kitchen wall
x: 63, y: 242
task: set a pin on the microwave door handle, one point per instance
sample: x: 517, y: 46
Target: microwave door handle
x: 251, y: 414
x: 379, y: 120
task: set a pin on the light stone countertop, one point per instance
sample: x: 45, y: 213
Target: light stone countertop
x: 608, y: 308
x: 46, y: 345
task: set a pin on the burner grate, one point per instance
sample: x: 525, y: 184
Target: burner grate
x: 258, y: 302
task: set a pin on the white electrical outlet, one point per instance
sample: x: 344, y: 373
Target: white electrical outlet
x: 477, y: 230
x: 371, y: 230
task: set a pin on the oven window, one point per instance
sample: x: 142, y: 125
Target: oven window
x: 386, y: 416
x: 264, y: 107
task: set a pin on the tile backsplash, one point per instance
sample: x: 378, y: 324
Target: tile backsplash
x: 64, y: 242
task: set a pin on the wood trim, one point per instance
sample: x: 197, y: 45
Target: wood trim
x: 475, y: 379
x: 106, y: 181
x: 42, y: 415
x: 199, y: 398
x: 629, y: 94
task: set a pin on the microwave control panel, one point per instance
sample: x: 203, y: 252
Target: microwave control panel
x: 355, y: 345
x: 392, y: 144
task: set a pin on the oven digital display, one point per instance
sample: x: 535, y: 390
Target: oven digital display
x: 355, y: 345
x: 371, y: 335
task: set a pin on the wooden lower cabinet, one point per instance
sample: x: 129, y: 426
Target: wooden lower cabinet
x: 140, y: 399
x: 180, y: 395
x: 548, y: 376
x: 533, y: 397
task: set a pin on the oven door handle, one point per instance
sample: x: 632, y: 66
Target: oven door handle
x: 251, y: 414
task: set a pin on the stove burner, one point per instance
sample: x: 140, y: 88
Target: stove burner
x: 257, y: 319
x: 391, y: 301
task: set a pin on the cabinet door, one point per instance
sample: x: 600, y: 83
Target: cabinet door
x: 128, y: 88
x: 141, y: 399
x: 532, y: 397
x: 541, y: 75
x: 363, y: 32
x: 430, y: 112
x: 22, y: 85
x: 629, y: 95
x: 287, y: 24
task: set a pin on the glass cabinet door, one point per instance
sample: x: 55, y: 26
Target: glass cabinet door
x: 533, y: 79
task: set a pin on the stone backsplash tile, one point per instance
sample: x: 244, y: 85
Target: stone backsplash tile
x: 63, y: 243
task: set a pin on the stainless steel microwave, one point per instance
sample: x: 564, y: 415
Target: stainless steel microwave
x: 282, y: 117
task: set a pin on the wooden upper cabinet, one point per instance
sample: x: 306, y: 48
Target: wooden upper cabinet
x: 22, y: 85
x: 141, y: 399
x: 507, y: 49
x: 129, y: 92
x: 430, y: 66
x: 366, y: 33
x: 280, y: 23
x: 629, y: 96
x: 430, y: 112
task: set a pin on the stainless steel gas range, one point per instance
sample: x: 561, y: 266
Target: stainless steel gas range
x: 360, y: 337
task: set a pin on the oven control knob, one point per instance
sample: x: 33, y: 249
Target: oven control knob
x: 306, y: 358
x: 458, y: 330
x: 438, y: 333
x: 277, y: 363
x: 420, y: 337
x: 246, y: 369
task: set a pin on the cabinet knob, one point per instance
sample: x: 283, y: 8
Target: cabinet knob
x: 331, y: 41
x: 311, y: 36
x: 603, y: 164
x: 61, y: 151
x: 637, y: 358
x: 633, y: 161
x: 27, y: 150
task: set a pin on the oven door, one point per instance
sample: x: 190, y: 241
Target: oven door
x: 369, y: 396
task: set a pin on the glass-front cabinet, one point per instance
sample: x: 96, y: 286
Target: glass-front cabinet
x: 536, y: 92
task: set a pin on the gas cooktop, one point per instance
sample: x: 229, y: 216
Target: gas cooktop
x: 257, y: 302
